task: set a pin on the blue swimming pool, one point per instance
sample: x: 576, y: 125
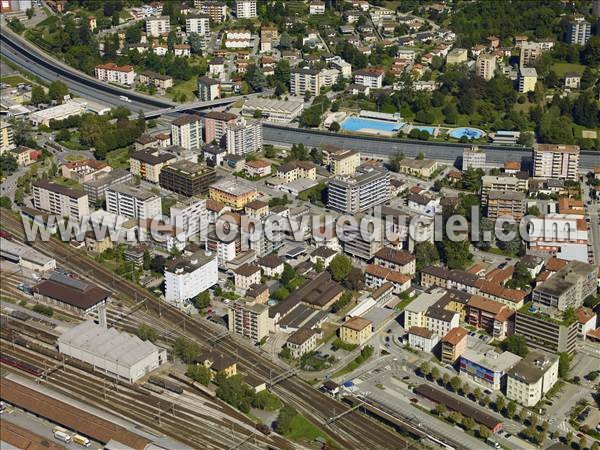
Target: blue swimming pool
x: 471, y: 133
x: 369, y: 125
x: 430, y: 130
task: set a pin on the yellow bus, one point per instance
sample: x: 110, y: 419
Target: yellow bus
x: 85, y: 442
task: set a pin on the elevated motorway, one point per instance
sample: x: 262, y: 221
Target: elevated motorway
x: 35, y: 61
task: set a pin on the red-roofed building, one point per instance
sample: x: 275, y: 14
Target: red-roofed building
x: 112, y: 73
x: 453, y: 345
x: 586, y: 319
x: 491, y: 316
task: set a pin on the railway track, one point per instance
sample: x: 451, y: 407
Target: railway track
x: 191, y: 423
x: 353, y: 430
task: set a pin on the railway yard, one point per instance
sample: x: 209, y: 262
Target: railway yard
x: 192, y: 417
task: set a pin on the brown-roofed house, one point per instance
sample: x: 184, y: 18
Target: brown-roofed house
x: 356, y: 330
x: 217, y: 362
x: 398, y: 260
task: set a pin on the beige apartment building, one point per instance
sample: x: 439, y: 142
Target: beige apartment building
x: 485, y: 66
x: 532, y: 377
x: 356, y: 331
x: 249, y: 319
x: 341, y: 162
x: 555, y: 161
x: 148, y: 163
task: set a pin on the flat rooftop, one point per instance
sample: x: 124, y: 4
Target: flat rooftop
x: 233, y: 187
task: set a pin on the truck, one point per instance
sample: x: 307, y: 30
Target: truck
x: 492, y: 443
x: 125, y: 98
x: 62, y: 436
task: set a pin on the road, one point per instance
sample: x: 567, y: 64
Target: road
x: 40, y: 64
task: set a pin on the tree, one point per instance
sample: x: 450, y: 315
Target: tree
x: 499, y: 403
x: 37, y: 95
x: 455, y: 384
x: 523, y: 415
x: 591, y: 52
x: 319, y: 267
x: 564, y: 363
x: 526, y: 139
x: 440, y: 409
x: 158, y: 264
x: 202, y: 300
x: 477, y: 394
x: 340, y: 266
x: 425, y: 369
x: 516, y: 344
x: 468, y: 423
x: 147, y: 260
x: 5, y: 202
x: 58, y: 90
x: 426, y: 254
x: 582, y: 442
x: 185, y: 349
x: 283, y: 424
x: 484, y: 432
x: 255, y: 78
x: 43, y: 309
x: 334, y: 126
x: 511, y: 408
x: 196, y: 43
x: 287, y: 275
x: 395, y: 162
x: 280, y: 294
x: 29, y: 12
x: 8, y: 164
x: 147, y: 333
x: 234, y: 391
x: 199, y: 373
x: 435, y: 373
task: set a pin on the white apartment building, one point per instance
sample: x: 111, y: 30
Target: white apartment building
x: 225, y: 251
x: 156, y: 26
x: 131, y: 201
x: 328, y: 77
x: 199, y: 23
x: 579, y: 31
x: 415, y: 312
x: 305, y: 80
x: 473, y: 158
x: 190, y: 216
x: 302, y: 341
x: 369, y: 187
x: 344, y: 67
x: 423, y: 339
x: 244, y: 137
x: 316, y: 7
x: 527, y: 79
x: 249, y: 319
x: 208, y: 89
x: 532, y: 377
x: 555, y: 161
x: 188, y: 276
x: 372, y: 78
x: 440, y: 320
x: 485, y: 66
x: 60, y: 200
x: 186, y: 131
x: 245, y: 9
x: 7, y: 142
x: 112, y: 73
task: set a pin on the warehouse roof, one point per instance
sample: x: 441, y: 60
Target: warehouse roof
x: 108, y: 344
x: 71, y: 291
x: 64, y: 414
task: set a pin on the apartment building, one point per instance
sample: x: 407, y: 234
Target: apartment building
x: 485, y: 67
x: 398, y: 260
x: 189, y: 215
x: 200, y: 24
x: 245, y: 9
x: 84, y: 170
x: 302, y: 341
x: 454, y: 344
x: 294, y: 170
x: 208, y: 89
x: 473, y: 158
x: 246, y: 275
x: 506, y: 204
x: 579, y: 31
x: 490, y: 316
x: 369, y: 187
x: 244, y: 137
x: 303, y: 80
x: 233, y: 193
x: 7, y: 142
x: 95, y: 188
x: 502, y: 183
x: 415, y: 313
x: 148, y: 163
x: 546, y: 329
x: 371, y: 77
x: 186, y: 131
x: 131, y: 201
x: 215, y: 126
x: 457, y: 56
x: 187, y: 178
x: 530, y: 53
x: 527, y: 79
x: 356, y: 331
x: 60, y: 200
x: 423, y: 339
x: 159, y: 81
x: 449, y: 279
x: 216, y: 10
x: 488, y: 368
x: 340, y: 161
x: 112, y: 73
x: 568, y: 287
x: 532, y: 377
x: 441, y: 320
x: 555, y: 161
x: 188, y: 276
x: 158, y: 26
x: 376, y: 276
x: 249, y: 319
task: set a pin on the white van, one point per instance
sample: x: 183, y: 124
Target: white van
x: 125, y: 98
x: 62, y: 436
x: 83, y: 441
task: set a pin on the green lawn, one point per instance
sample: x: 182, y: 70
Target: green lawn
x: 74, y: 157
x: 14, y: 80
x: 118, y: 159
x: 303, y: 430
x: 189, y: 88
x: 68, y: 183
x: 562, y: 68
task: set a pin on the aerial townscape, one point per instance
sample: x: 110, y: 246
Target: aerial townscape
x: 303, y: 224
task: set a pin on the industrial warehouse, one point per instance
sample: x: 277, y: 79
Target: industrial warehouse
x: 116, y: 353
